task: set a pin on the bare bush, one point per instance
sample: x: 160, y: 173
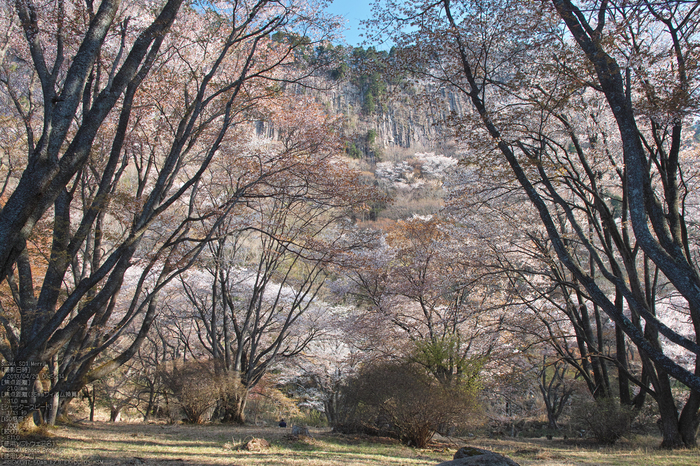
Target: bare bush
x: 403, y: 401
x: 195, y: 387
x: 605, y: 419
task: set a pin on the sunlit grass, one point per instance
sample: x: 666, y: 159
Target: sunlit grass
x: 210, y: 445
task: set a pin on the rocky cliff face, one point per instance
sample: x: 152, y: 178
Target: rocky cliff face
x: 400, y: 119
x: 400, y: 145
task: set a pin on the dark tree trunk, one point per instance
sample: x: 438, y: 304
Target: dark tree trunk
x: 689, y: 428
x: 668, y: 412
x: 668, y: 425
x: 233, y: 407
x: 551, y: 419
x: 93, y: 400
x: 21, y: 374
x: 331, y: 408
x: 151, y: 399
x: 690, y: 419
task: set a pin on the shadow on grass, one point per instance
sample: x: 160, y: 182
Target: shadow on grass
x: 134, y: 444
x: 157, y: 445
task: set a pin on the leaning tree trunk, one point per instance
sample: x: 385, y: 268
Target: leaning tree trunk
x: 668, y: 412
x: 690, y: 416
x: 689, y: 420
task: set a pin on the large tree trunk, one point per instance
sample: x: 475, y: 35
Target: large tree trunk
x: 233, y: 406
x: 690, y: 414
x: 331, y: 408
x: 670, y: 423
x: 20, y: 374
x: 689, y: 420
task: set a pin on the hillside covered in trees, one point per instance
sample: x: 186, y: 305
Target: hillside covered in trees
x: 212, y: 213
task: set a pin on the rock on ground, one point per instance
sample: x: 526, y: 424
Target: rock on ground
x: 300, y: 431
x: 470, y: 456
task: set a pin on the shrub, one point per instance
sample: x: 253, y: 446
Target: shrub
x: 352, y: 150
x: 604, y: 419
x: 195, y: 387
x: 268, y: 404
x: 403, y: 401
x: 310, y: 418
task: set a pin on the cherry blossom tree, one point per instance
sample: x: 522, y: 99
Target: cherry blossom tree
x: 256, y: 291
x: 124, y: 107
x: 419, y: 286
x: 609, y: 185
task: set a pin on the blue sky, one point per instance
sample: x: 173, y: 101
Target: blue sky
x: 353, y: 11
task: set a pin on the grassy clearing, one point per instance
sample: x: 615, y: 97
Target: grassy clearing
x: 209, y: 445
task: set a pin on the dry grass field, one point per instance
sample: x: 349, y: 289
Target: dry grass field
x: 103, y: 443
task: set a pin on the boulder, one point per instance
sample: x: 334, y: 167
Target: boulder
x: 470, y: 456
x: 300, y: 431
